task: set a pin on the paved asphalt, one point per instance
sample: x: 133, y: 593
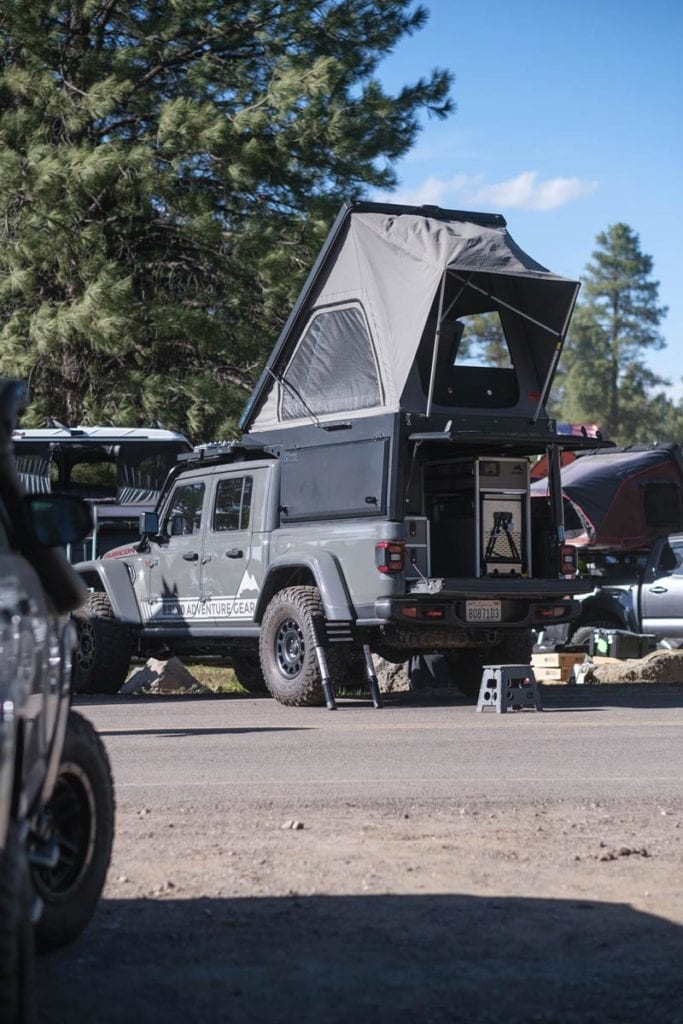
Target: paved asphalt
x: 618, y: 742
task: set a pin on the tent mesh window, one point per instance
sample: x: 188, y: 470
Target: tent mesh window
x: 474, y: 368
x: 334, y: 367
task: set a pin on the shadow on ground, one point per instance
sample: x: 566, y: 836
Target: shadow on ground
x: 554, y: 698
x: 566, y: 697
x: 376, y: 959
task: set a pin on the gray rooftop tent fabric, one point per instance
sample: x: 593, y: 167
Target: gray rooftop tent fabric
x: 395, y: 263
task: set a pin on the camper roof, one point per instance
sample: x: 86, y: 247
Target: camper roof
x: 386, y: 281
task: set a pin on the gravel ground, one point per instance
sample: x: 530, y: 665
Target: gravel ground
x: 384, y: 911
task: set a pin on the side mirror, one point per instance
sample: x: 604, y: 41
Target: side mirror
x: 55, y: 520
x: 149, y: 524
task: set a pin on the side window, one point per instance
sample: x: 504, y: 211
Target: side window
x: 233, y: 504
x: 678, y: 555
x: 333, y: 368
x: 670, y: 559
x: 184, y: 516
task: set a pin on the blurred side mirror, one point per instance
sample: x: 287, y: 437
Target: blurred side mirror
x: 149, y: 524
x: 55, y: 520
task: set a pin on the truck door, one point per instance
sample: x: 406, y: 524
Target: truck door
x: 662, y: 595
x: 233, y: 559
x: 175, y: 564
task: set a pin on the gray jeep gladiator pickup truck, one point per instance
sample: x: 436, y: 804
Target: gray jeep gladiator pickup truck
x: 378, y: 499
x: 56, y: 796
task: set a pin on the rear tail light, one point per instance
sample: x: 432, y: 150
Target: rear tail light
x: 568, y: 560
x: 390, y: 556
x: 411, y: 611
x: 556, y: 611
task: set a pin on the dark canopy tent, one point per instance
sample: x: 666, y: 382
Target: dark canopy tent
x: 624, y: 498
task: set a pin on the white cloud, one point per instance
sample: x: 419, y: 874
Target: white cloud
x: 524, y: 192
x: 432, y: 190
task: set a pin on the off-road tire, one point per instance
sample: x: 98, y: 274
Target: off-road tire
x: 80, y: 817
x: 248, y: 672
x: 583, y: 634
x: 287, y: 648
x: 16, y: 933
x: 104, y: 648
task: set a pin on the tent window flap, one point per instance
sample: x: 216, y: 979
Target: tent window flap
x: 334, y: 367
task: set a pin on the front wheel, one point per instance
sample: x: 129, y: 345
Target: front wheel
x: 247, y: 668
x: 287, y: 647
x: 103, y: 649
x: 581, y: 636
x: 79, y: 817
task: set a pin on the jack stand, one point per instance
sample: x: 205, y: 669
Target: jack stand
x: 372, y: 678
x: 326, y: 682
x: 508, y: 686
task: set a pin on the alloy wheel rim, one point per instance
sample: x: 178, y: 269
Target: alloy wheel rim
x: 290, y: 648
x: 73, y: 825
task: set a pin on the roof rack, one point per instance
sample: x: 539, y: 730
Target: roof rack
x: 230, y: 451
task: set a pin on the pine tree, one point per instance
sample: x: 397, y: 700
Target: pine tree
x: 604, y: 378
x: 168, y: 171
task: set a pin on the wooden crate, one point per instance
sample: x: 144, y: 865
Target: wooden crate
x: 554, y: 666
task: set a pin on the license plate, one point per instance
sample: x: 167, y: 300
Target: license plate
x: 482, y: 611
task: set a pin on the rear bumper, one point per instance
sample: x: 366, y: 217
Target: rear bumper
x: 451, y: 612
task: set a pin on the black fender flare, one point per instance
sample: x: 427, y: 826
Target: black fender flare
x: 606, y: 605
x: 327, y: 575
x: 111, y: 577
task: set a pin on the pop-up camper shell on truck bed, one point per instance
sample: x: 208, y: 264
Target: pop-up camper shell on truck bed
x: 375, y: 415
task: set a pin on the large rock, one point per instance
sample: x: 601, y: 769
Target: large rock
x: 159, y: 676
x: 656, y: 667
x: 391, y: 678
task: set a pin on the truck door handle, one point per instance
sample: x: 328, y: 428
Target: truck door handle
x: 234, y: 553
x: 659, y: 590
x: 191, y: 556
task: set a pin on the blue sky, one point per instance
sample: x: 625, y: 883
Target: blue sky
x: 569, y: 120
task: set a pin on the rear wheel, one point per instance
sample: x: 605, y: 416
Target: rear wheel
x: 104, y: 648
x: 79, y: 817
x: 287, y: 648
x: 16, y: 933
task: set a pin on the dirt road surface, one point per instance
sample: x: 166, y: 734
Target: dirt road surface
x: 420, y: 863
